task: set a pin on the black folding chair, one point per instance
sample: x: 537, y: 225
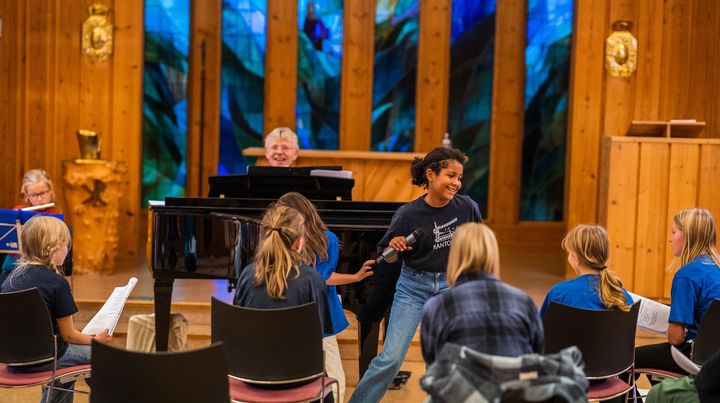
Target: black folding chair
x: 707, y: 340
x: 272, y: 354
x: 606, y: 339
x: 187, y: 376
x: 26, y: 338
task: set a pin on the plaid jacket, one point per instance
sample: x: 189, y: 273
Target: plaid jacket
x: 461, y: 375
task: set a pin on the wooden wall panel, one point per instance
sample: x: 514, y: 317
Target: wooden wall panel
x: 619, y: 91
x: 38, y: 145
x: 620, y: 211
x: 649, y: 32
x: 708, y: 194
x: 281, y: 65
x: 682, y: 191
x: 652, y: 227
x: 675, y: 80
x: 506, y: 127
x: 703, y: 65
x: 357, y: 75
x: 432, y: 77
x: 11, y: 100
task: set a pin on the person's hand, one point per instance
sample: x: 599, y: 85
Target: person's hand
x: 398, y: 243
x: 103, y: 337
x: 365, y: 271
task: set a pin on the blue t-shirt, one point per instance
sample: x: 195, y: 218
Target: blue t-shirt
x: 581, y: 292
x: 326, y: 268
x: 431, y: 252
x: 54, y: 289
x: 694, y: 287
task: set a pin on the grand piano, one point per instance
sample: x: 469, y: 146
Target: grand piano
x: 216, y: 237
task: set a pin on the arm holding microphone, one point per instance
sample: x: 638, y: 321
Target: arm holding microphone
x: 400, y: 244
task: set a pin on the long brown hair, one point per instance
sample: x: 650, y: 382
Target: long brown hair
x: 590, y: 244
x: 316, y: 242
x: 275, y: 259
x: 699, y: 235
x: 474, y: 248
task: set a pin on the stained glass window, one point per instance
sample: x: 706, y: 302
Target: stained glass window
x: 242, y: 81
x: 319, y: 63
x: 394, y: 74
x: 547, y: 60
x: 167, y: 35
x: 470, y: 97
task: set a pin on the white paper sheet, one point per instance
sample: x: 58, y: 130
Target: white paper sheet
x: 107, y: 317
x: 653, y: 315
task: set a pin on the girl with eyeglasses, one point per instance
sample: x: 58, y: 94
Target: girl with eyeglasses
x: 36, y: 190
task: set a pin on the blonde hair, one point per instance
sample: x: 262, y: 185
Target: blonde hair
x: 280, y: 228
x: 282, y: 133
x: 40, y: 238
x: 316, y: 242
x: 473, y: 249
x: 590, y: 244
x: 699, y: 234
x: 33, y: 177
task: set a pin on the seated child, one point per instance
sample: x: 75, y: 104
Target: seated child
x: 277, y: 278
x: 45, y: 243
x: 693, y: 240
x: 321, y: 251
x: 596, y: 286
x: 478, y: 310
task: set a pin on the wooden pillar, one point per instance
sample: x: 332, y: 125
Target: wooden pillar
x: 357, y: 75
x: 432, y: 77
x: 127, y: 116
x: 585, y: 128
x: 281, y: 65
x: 506, y: 133
x: 619, y: 91
x: 204, y: 95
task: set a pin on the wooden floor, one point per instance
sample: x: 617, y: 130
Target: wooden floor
x: 534, y: 270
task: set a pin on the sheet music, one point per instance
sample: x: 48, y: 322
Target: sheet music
x: 653, y: 315
x: 332, y: 174
x: 107, y: 317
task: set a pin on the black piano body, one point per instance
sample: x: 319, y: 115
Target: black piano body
x: 215, y: 238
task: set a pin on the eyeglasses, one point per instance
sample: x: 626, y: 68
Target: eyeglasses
x: 38, y: 194
x: 276, y: 147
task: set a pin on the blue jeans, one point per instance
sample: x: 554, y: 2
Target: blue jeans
x: 75, y: 354
x: 412, y: 290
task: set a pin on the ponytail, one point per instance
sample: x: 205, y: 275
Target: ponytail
x: 590, y: 244
x: 275, y: 259
x: 611, y: 291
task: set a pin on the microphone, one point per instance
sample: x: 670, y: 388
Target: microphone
x: 410, y: 240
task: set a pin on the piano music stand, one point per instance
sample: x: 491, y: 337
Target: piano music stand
x: 272, y: 186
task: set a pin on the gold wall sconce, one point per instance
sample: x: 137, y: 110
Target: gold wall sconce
x: 97, y: 33
x: 621, y: 50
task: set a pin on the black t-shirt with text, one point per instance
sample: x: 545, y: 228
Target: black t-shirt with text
x: 430, y: 253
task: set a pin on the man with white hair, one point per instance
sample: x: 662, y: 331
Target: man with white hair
x: 281, y: 147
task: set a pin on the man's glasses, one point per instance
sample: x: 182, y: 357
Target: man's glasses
x: 38, y: 194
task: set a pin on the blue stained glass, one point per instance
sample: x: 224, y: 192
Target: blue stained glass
x: 319, y: 64
x: 394, y: 74
x: 167, y: 35
x: 547, y: 60
x: 472, y: 38
x: 242, y: 82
